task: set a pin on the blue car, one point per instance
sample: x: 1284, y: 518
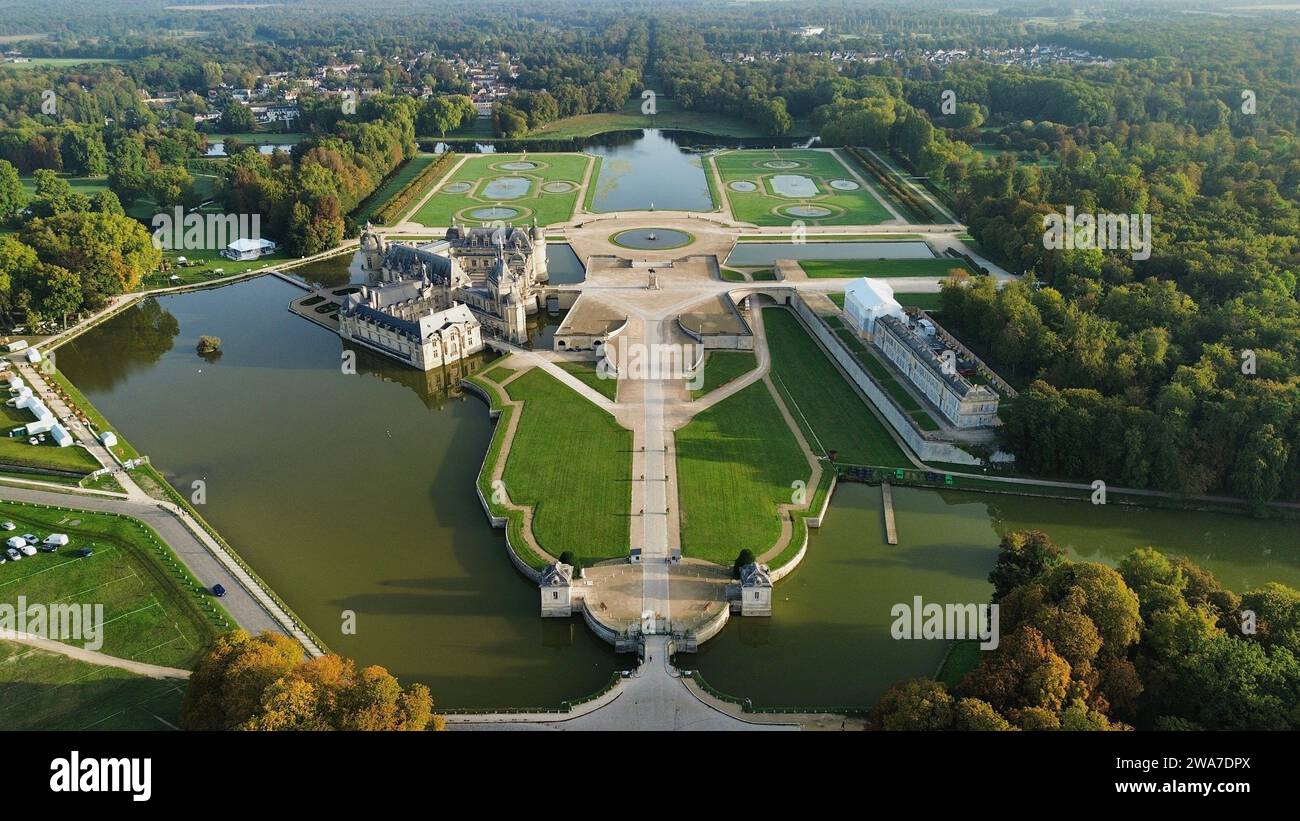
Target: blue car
x: 218, y: 590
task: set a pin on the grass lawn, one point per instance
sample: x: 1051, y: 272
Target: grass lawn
x: 961, y: 659
x: 721, y: 367
x: 62, y: 62
x: 479, y: 171
x: 407, y: 172
x: 736, y: 462
x: 833, y: 268
x: 822, y: 400
x: 498, y: 374
x: 667, y: 116
x: 765, y: 206
x: 210, y: 264
x: 586, y: 373
x: 154, y: 610
x: 40, y: 690
x: 16, y: 451
x: 572, y: 462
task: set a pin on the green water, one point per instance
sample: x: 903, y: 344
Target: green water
x: 344, y: 492
x: 828, y: 642
x: 356, y: 492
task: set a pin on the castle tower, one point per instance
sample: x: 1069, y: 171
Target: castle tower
x: 540, y: 271
x: 372, y: 248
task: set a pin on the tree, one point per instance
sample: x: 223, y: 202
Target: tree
x: 1023, y: 556
x: 236, y: 118
x: 128, y: 171
x: 227, y: 686
x: 262, y: 683
x: 12, y: 196
x: 916, y: 704
x: 170, y: 186
x: 746, y: 556
x: 109, y: 253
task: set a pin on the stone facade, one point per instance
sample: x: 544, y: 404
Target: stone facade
x: 755, y: 590
x: 963, y: 404
x: 556, y: 588
x: 496, y: 273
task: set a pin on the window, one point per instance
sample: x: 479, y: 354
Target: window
x: 555, y: 594
x: 755, y: 595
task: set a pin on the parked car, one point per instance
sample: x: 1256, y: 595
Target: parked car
x: 13, y: 553
x: 218, y: 590
x: 31, y: 538
x: 8, y: 526
x: 57, y: 539
x: 85, y: 552
x: 4, y: 559
x: 27, y: 550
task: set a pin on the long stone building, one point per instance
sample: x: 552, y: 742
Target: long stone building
x: 963, y: 404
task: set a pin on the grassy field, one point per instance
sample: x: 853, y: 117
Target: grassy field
x: 16, y: 451
x: 40, y: 690
x: 58, y: 62
x: 667, y: 116
x: 764, y: 206
x: 822, y: 401
x: 736, y: 462
x: 208, y: 265
x: 961, y: 659
x: 721, y: 367
x: 572, y: 462
x: 478, y: 171
x: 407, y: 172
x: 154, y: 610
x: 845, y: 268
x: 586, y: 373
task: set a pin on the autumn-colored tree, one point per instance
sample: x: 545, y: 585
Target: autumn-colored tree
x: 915, y: 704
x: 227, y: 687
x: 976, y: 715
x: 1025, y: 671
x: 262, y: 683
x: 1023, y: 556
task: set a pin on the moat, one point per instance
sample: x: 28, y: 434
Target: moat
x: 356, y: 492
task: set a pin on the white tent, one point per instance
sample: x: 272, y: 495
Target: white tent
x: 33, y: 355
x: 108, y: 438
x: 60, y: 435
x: 867, y: 300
